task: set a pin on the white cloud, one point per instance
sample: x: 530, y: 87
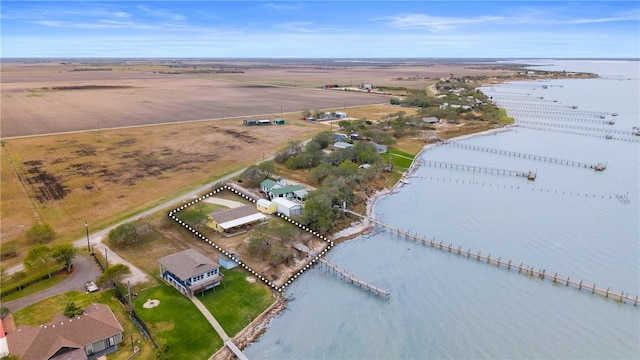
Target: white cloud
x: 437, y: 23
x: 298, y: 26
x: 442, y: 23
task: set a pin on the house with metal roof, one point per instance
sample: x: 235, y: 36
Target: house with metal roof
x: 91, y: 335
x: 287, y: 192
x: 226, y: 220
x: 190, y: 272
x: 339, y: 145
x: 266, y: 185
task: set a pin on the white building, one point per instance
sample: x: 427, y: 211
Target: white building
x: 287, y: 207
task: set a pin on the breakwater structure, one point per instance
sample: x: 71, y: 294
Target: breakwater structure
x: 597, y: 167
x: 531, y: 271
x: 343, y: 274
x: 530, y: 175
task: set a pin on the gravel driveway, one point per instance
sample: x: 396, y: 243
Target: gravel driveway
x: 86, y: 269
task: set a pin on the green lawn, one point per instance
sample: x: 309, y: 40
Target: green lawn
x: 238, y: 302
x: 400, y: 159
x: 177, y: 323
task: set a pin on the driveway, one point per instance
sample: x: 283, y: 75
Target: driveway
x: 86, y: 269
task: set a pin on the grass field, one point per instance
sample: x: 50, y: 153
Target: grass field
x: 177, y: 323
x: 239, y: 302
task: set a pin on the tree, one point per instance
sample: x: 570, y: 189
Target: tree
x: 267, y: 168
x: 123, y: 234
x: 253, y: 176
x: 64, y: 254
x: 114, y: 274
x: 39, y: 256
x: 40, y: 234
x: 324, y: 139
x: 72, y: 310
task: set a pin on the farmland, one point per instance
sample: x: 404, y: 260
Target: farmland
x: 112, y: 167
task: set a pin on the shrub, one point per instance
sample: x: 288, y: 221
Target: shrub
x: 40, y: 234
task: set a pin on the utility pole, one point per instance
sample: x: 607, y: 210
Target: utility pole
x: 86, y: 227
x: 106, y: 257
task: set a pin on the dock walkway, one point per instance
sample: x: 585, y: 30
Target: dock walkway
x: 508, y: 265
x: 528, y: 174
x: 343, y: 274
x: 598, y: 166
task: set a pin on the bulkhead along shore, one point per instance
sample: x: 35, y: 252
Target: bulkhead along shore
x: 206, y: 185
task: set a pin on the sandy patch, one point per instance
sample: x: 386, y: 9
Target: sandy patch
x: 251, y: 279
x: 151, y: 303
x: 224, y: 202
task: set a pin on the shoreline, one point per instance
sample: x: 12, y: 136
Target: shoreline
x: 252, y: 332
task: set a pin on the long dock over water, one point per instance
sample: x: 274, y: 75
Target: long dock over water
x: 598, y: 166
x: 344, y: 275
x: 531, y: 175
x: 574, y: 127
x: 542, y: 274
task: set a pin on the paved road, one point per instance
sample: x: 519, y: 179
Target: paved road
x: 86, y: 269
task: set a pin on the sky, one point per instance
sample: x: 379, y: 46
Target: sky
x: 320, y: 29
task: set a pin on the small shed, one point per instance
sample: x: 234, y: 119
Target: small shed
x: 227, y: 262
x: 266, y: 206
x: 287, y: 207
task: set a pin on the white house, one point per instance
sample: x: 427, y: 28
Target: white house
x: 189, y: 271
x: 340, y: 115
x: 287, y: 207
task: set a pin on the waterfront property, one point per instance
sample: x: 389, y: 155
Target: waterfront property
x: 190, y: 272
x: 91, y: 335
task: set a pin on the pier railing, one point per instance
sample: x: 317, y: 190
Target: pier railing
x: 531, y: 271
x: 598, y: 166
x: 343, y: 274
x: 531, y: 175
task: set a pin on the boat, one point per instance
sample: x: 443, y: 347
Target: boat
x: 636, y: 131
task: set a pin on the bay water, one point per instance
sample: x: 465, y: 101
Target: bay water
x: 572, y: 221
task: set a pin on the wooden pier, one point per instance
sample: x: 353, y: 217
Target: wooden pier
x: 343, y: 274
x: 531, y: 271
x: 549, y: 108
x: 607, y: 136
x: 535, y: 115
x: 597, y: 167
x: 583, y: 128
x: 531, y: 175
